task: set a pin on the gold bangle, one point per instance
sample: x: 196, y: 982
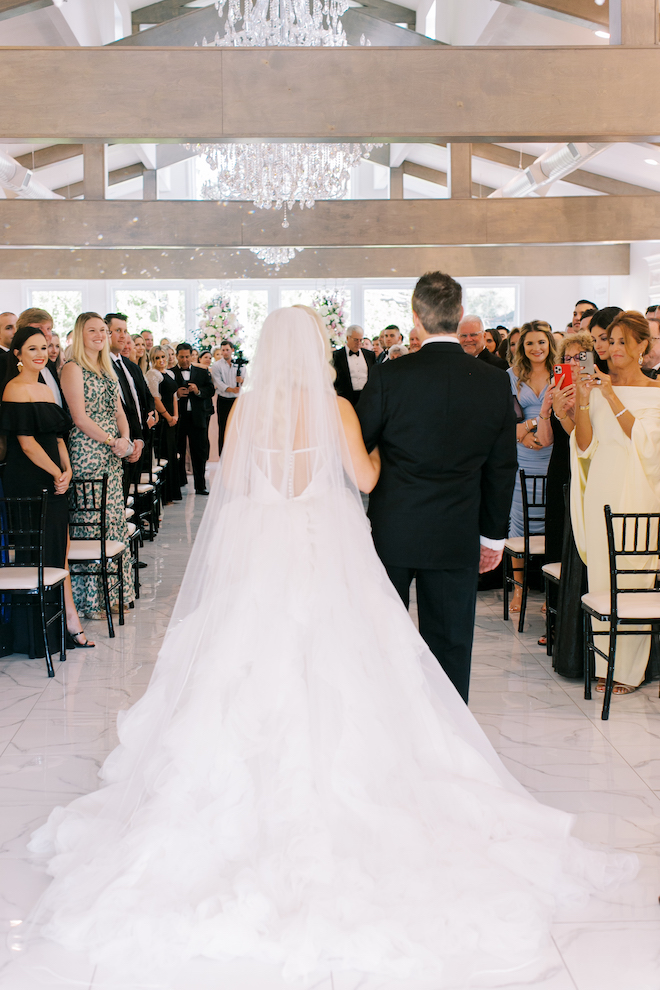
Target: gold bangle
x: 544, y: 418
x: 584, y: 407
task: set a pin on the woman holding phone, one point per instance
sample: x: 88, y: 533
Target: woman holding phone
x: 615, y: 460
x: 531, y: 378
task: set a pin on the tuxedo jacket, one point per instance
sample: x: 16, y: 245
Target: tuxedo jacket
x: 128, y: 402
x: 446, y: 431
x: 145, y: 397
x: 493, y: 359
x: 343, y: 384
x: 198, y: 403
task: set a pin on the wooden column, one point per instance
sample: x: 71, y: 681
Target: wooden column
x: 634, y: 22
x: 459, y: 175
x: 396, y: 183
x: 95, y: 172
x: 150, y: 184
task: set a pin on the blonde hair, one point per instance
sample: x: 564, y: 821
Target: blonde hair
x: 522, y: 366
x: 583, y: 338
x: 327, y: 349
x: 103, y: 366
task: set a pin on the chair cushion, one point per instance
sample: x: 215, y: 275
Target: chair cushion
x: 130, y: 500
x: 27, y: 578
x: 91, y: 549
x: 553, y: 570
x: 517, y: 545
x: 629, y: 606
x: 162, y: 463
x: 129, y: 513
x: 131, y: 528
x: 144, y: 489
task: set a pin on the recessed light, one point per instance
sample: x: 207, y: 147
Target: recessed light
x: 650, y: 161
x: 602, y: 34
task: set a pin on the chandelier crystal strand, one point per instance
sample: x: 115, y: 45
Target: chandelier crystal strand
x: 276, y: 256
x: 308, y: 23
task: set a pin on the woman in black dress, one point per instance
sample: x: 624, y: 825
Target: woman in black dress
x: 37, y: 459
x: 163, y: 388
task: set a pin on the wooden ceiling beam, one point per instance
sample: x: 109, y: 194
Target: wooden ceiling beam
x: 50, y: 156
x: 347, y: 94
x: 14, y: 8
x: 440, y: 178
x: 586, y: 13
x: 75, y: 189
x: 585, y: 259
x: 356, y: 223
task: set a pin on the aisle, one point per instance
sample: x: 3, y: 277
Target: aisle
x: 55, y: 734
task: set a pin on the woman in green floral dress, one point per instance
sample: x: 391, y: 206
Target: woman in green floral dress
x: 98, y: 441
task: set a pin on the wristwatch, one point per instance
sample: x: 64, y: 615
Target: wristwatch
x: 534, y: 426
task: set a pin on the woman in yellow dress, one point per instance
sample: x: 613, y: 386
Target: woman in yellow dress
x: 615, y: 452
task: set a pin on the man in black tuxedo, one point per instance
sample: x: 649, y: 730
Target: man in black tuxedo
x: 7, y: 331
x: 352, y: 364
x: 194, y: 392
x: 472, y: 337
x: 391, y: 335
x: 117, y: 336
x: 445, y: 427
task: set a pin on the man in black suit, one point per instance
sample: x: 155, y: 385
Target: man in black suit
x: 472, y: 337
x: 391, y: 335
x: 352, y: 364
x: 195, y: 389
x: 117, y: 336
x: 445, y: 427
x: 7, y: 331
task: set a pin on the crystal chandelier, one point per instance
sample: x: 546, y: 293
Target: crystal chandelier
x: 282, y: 22
x: 277, y: 256
x: 280, y: 174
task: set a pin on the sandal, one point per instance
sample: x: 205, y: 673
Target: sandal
x: 542, y: 641
x: 73, y: 641
x: 616, y: 689
x: 515, y: 608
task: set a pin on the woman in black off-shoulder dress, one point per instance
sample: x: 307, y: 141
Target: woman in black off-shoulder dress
x: 35, y: 427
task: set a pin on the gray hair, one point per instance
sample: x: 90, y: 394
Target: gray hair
x: 471, y: 318
x: 397, y: 350
x: 354, y: 326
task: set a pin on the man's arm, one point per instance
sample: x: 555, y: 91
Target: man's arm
x: 370, y: 409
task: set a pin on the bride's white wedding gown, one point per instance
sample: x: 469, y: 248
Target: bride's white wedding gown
x: 301, y: 784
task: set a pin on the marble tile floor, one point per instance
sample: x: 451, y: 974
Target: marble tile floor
x: 54, y: 735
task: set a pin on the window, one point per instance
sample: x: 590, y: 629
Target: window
x: 250, y: 307
x: 385, y: 306
x: 495, y: 304
x: 163, y: 311
x: 64, y: 305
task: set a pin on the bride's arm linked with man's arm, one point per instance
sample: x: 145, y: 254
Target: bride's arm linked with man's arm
x: 366, y: 465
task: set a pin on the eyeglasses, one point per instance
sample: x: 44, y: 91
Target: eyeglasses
x: 575, y: 359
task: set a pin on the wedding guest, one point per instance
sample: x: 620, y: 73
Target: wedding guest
x: 414, y: 343
x: 615, y: 452
x: 472, y: 338
x: 195, y: 356
x: 391, y: 335
x: 204, y: 360
x: 163, y: 389
x: 165, y: 342
x: 117, y: 331
x: 352, y: 365
x: 141, y: 352
x: 217, y: 354
x: 493, y: 339
x: 598, y: 328
x: 227, y: 384
x: 194, y: 389
x: 530, y: 375
x: 129, y: 350
x: 37, y: 459
x: 586, y: 319
x: 40, y: 318
x: 377, y: 347
x: 651, y: 362
x: 171, y: 356
x: 581, y: 306
x: 509, y: 345
x: 98, y: 441
x: 7, y: 331
x: 55, y: 352
x: 148, y: 339
x: 367, y: 344
x: 396, y: 351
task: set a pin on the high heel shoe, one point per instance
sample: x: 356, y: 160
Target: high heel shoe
x: 73, y: 641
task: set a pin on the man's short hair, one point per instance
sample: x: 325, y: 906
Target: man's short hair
x: 587, y: 302
x: 649, y: 309
x: 472, y: 318
x: 185, y: 346
x: 437, y: 302
x: 221, y: 345
x: 29, y: 317
x: 109, y: 317
x: 588, y: 313
x: 356, y: 326
x: 391, y: 326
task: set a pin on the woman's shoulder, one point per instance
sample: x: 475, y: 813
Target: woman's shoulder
x: 29, y: 417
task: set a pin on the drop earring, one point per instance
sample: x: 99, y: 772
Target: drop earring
x: 20, y: 364
x: 641, y: 358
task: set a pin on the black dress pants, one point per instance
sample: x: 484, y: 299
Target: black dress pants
x: 446, y: 605
x: 224, y: 408
x: 198, y: 440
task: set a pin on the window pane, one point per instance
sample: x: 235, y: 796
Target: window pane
x: 494, y: 304
x: 63, y: 305
x: 385, y: 306
x: 163, y: 311
x: 305, y: 297
x: 250, y: 307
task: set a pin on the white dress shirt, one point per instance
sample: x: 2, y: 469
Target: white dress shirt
x: 444, y: 338
x: 131, y: 384
x: 224, y: 376
x: 185, y: 403
x: 49, y: 380
x: 358, y: 368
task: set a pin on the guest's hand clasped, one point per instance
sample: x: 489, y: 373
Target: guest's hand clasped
x: 62, y: 481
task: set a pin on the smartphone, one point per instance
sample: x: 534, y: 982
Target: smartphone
x: 567, y: 371
x: 586, y: 359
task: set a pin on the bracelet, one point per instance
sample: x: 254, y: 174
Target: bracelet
x: 624, y: 410
x: 544, y: 418
x: 584, y: 407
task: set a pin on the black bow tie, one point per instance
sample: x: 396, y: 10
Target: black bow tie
x: 353, y: 353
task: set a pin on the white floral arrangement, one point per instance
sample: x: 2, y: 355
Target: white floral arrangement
x: 330, y: 307
x: 218, y: 323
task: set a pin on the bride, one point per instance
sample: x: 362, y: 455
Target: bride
x: 301, y: 784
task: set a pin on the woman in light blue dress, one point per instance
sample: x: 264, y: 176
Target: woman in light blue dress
x: 531, y: 385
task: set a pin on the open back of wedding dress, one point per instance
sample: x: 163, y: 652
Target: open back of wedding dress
x: 301, y: 784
